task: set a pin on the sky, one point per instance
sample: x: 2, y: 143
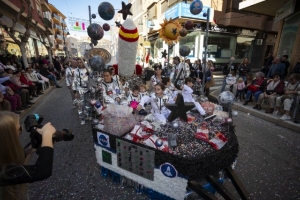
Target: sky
x: 79, y: 9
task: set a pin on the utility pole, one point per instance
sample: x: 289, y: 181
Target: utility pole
x: 205, y: 52
x: 90, y: 19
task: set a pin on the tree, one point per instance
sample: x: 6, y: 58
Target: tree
x: 43, y: 34
x: 22, y: 40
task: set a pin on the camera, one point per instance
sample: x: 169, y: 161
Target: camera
x: 32, y: 122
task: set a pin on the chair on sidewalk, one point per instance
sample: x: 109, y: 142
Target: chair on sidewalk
x: 41, y: 80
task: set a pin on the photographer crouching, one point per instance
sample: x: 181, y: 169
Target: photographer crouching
x: 14, y: 171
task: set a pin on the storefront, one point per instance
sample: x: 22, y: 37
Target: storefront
x: 223, y: 43
x: 289, y: 35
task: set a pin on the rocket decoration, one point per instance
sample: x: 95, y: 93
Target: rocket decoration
x: 127, y: 48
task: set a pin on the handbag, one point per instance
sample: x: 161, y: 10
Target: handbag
x: 252, y: 88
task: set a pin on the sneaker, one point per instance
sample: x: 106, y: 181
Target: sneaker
x: 275, y: 112
x: 89, y: 118
x: 58, y: 86
x: 82, y: 122
x: 285, y: 117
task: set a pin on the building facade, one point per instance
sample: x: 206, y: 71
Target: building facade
x: 60, y: 31
x: 42, y: 15
x: 286, y: 15
x: 231, y: 32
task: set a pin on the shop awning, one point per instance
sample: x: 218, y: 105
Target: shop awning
x: 265, y: 7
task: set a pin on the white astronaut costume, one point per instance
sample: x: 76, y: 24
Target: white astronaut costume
x: 159, y: 111
x: 171, y: 93
x: 111, y: 91
x: 154, y: 80
x: 131, y: 98
x: 176, y: 71
x: 187, y: 97
x: 81, y: 80
x: 144, y: 94
x: 70, y: 81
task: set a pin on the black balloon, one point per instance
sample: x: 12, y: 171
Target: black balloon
x: 95, y: 31
x: 97, y: 63
x: 184, y: 51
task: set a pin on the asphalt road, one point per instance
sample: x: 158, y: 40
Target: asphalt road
x: 268, y: 163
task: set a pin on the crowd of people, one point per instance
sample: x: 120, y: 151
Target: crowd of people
x: 19, y: 85
x: 161, y: 88
x: 277, y: 84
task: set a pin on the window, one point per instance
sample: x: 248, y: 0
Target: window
x: 72, y: 44
x: 221, y: 46
x: 189, y: 41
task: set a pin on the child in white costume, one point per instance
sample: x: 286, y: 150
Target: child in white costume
x: 187, y: 92
x: 158, y: 101
x: 170, y: 90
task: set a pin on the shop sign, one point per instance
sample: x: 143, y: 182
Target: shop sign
x: 286, y: 10
x: 183, y: 10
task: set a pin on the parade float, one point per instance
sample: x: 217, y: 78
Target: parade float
x: 172, y: 159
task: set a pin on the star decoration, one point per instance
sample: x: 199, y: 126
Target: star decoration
x: 164, y: 54
x: 125, y: 10
x: 174, y: 31
x: 179, y: 109
x: 118, y: 24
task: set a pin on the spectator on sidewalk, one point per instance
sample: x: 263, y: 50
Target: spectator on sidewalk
x: 240, y: 88
x: 9, y: 95
x: 244, y: 68
x: 273, y: 90
x: 45, y: 72
x: 16, y: 79
x: 268, y: 60
x: 53, y: 71
x: 226, y: 70
x: 256, y: 87
x: 276, y: 67
x: 291, y: 92
x: 4, y: 104
x: 31, y: 78
x: 296, y: 68
x: 284, y: 60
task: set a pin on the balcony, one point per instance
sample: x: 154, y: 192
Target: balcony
x: 63, y: 23
x: 57, y: 27
x: 59, y: 38
x: 45, y: 6
x: 48, y: 23
x: 56, y: 18
x: 60, y: 47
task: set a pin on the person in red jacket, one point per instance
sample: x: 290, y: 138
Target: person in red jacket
x: 23, y: 83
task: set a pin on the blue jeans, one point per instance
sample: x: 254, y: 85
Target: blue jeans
x: 255, y: 94
x: 52, y: 77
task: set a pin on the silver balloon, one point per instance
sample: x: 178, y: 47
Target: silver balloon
x: 158, y: 142
x: 175, y: 125
x: 97, y: 63
x: 229, y: 120
x: 203, y: 98
x: 184, y: 51
x: 218, y: 120
x: 226, y: 99
x: 95, y: 122
x: 235, y: 113
x: 99, y: 79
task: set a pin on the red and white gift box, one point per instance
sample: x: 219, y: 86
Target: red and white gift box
x: 218, y: 141
x: 151, y: 143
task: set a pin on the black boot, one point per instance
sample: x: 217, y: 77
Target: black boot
x: 255, y: 107
x: 246, y: 102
